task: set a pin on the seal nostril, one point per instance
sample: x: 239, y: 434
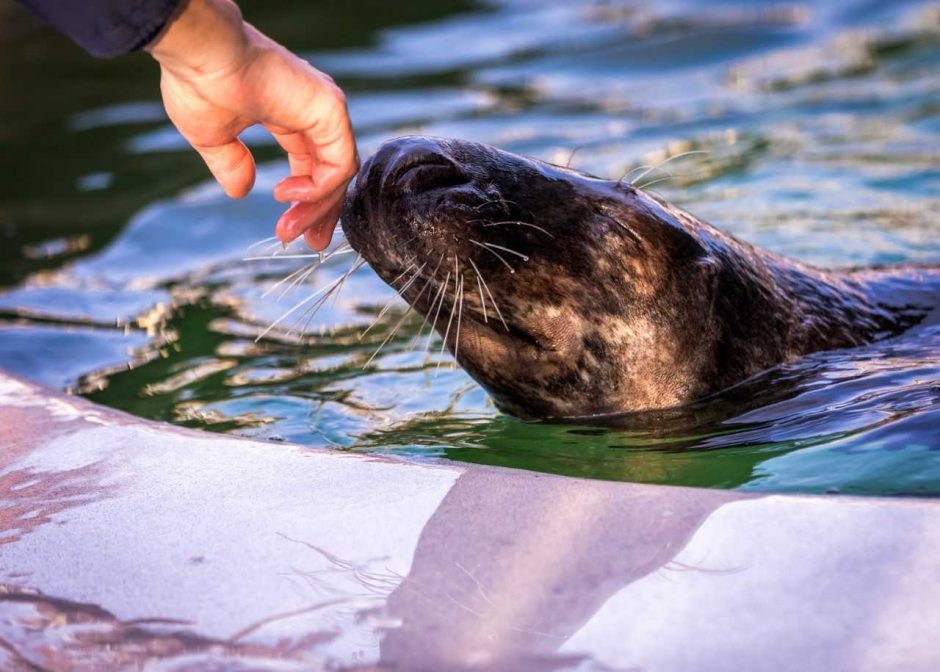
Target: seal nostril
x: 427, y: 176
x: 421, y: 170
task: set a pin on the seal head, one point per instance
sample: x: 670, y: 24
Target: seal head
x: 566, y: 295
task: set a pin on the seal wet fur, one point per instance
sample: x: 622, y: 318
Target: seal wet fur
x: 566, y: 295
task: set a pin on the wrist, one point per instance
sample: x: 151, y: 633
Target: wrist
x: 204, y: 36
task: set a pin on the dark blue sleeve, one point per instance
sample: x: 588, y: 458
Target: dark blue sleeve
x: 106, y: 28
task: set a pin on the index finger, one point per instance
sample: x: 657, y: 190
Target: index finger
x: 323, y: 160
x: 294, y: 144
x: 316, y: 218
x: 336, y: 160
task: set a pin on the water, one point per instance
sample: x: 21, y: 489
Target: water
x: 121, y: 265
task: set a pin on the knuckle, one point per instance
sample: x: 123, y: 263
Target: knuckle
x: 336, y: 96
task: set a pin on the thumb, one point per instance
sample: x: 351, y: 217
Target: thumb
x: 232, y: 166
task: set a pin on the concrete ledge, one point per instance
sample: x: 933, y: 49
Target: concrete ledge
x: 124, y: 543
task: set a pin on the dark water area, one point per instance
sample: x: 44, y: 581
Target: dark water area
x: 127, y: 276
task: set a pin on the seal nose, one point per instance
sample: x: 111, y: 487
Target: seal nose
x: 412, y: 165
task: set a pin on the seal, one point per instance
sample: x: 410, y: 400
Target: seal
x: 566, y: 295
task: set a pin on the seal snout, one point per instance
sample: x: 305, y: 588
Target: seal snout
x: 407, y: 202
x: 412, y: 165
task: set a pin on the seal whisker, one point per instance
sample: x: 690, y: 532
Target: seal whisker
x: 573, y: 152
x: 300, y: 304
x: 459, y: 315
x: 665, y: 161
x: 304, y: 274
x: 500, y: 200
x: 311, y: 312
x: 637, y: 238
x: 430, y: 307
x: 357, y: 264
x: 298, y: 280
x: 401, y: 321
x: 274, y: 248
x: 287, y: 278
x: 342, y: 248
x: 633, y: 170
x: 399, y: 293
x: 334, y: 291
x: 289, y: 312
x: 658, y: 179
x: 427, y: 346
x: 307, y: 316
x: 519, y: 223
x: 314, y: 255
x: 405, y: 242
x: 387, y: 305
x: 482, y: 300
x: 304, y: 271
x: 437, y: 297
x: 493, y: 252
x: 453, y: 307
x: 263, y: 241
x: 506, y: 249
x: 489, y: 293
x: 391, y: 334
x: 402, y: 274
x: 411, y: 279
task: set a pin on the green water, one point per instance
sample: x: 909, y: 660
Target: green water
x: 122, y: 274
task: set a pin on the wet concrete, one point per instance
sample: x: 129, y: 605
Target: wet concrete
x: 126, y: 543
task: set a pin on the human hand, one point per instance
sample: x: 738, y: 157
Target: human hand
x: 219, y: 75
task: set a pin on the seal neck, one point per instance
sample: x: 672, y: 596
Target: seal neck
x: 775, y: 309
x: 837, y: 310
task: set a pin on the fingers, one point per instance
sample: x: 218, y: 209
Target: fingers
x: 323, y: 160
x: 318, y: 236
x: 298, y: 153
x: 302, y: 215
x: 325, y: 184
x: 317, y: 201
x: 328, y: 163
x: 296, y: 188
x: 232, y: 166
x: 298, y: 218
x: 335, y: 146
x: 315, y: 221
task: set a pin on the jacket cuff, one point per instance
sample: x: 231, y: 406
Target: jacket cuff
x: 140, y: 25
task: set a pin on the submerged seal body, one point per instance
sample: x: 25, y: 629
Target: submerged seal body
x: 566, y: 295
